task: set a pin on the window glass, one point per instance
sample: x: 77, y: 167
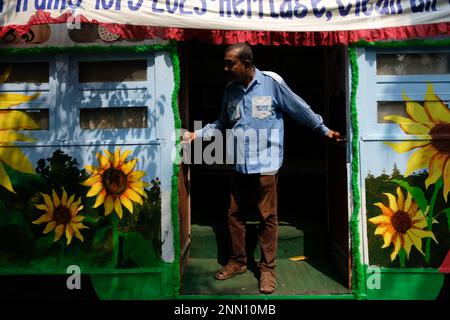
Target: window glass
x: 112, y: 71
x: 17, y: 119
x: 113, y: 118
x: 25, y: 72
x: 413, y: 63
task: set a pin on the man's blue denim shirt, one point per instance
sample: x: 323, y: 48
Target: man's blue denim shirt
x: 253, y: 118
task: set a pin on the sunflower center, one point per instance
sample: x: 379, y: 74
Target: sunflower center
x: 401, y: 222
x: 115, y: 181
x: 440, y: 134
x: 61, y: 214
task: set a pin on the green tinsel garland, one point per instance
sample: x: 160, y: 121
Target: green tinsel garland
x: 358, y: 268
x: 176, y: 168
x: 87, y: 49
x: 431, y: 43
x: 173, y: 267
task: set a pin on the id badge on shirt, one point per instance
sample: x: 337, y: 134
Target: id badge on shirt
x: 261, y: 107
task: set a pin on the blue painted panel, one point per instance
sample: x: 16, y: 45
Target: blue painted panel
x: 396, y: 161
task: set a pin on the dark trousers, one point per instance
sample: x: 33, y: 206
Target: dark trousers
x: 250, y: 193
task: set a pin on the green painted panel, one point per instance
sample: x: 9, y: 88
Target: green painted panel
x: 400, y: 284
x: 143, y: 286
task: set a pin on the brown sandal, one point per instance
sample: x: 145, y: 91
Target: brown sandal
x: 267, y: 282
x: 230, y: 270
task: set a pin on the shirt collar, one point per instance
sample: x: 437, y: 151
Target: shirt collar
x: 257, y: 79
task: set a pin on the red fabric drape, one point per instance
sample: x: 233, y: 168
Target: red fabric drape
x: 253, y: 37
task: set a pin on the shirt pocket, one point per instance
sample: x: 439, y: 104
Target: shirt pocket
x: 262, y: 107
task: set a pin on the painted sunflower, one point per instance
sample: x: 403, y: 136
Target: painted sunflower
x: 116, y: 182
x: 432, y: 121
x: 11, y: 120
x: 401, y: 224
x: 61, y: 215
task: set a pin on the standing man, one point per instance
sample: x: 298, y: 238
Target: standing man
x: 253, y: 106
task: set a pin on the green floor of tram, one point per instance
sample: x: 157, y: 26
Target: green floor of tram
x: 314, y: 276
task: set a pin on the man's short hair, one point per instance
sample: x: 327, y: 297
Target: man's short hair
x: 245, y: 51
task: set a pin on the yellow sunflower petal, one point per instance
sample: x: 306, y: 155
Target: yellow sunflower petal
x: 419, y: 159
x: 43, y: 219
x: 409, y: 126
x: 4, y: 179
x: 91, y: 169
x: 139, y: 184
x: 387, y: 237
x: 16, y: 120
x: 69, y: 233
x: 59, y: 231
x: 408, y: 244
x: 397, y: 246
x: 128, y: 166
x: 48, y: 201
x: 78, y: 234
x: 435, y: 108
x: 100, y: 198
x: 49, y: 227
x: 78, y: 226
x: 413, y: 209
x: 6, y: 74
x: 136, y: 175
x: 381, y: 229
x: 70, y: 201
x: 95, y: 189
x: 386, y: 210
x: 401, y: 147
x: 109, y: 205
x: 77, y: 219
x: 446, y: 175
x: 16, y: 159
x: 12, y: 136
x: 408, y: 202
x: 116, y: 157
x: 418, y: 114
x: 423, y: 234
x: 127, y: 203
x: 109, y: 155
x: 41, y: 207
x: 56, y: 201
x: 89, y: 182
x: 133, y: 196
x: 64, y: 197
x: 8, y: 100
x: 103, y: 161
x: 416, y: 238
x: 124, y: 156
x: 435, y: 168
x: 381, y: 219
x: 419, y: 221
x: 392, y: 202
x: 118, y: 207
x: 400, y: 200
x: 141, y: 191
x: 74, y: 206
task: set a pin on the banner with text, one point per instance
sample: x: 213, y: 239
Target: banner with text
x: 264, y: 15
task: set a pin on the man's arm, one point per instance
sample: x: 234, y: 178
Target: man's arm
x: 298, y: 109
x: 207, y: 132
